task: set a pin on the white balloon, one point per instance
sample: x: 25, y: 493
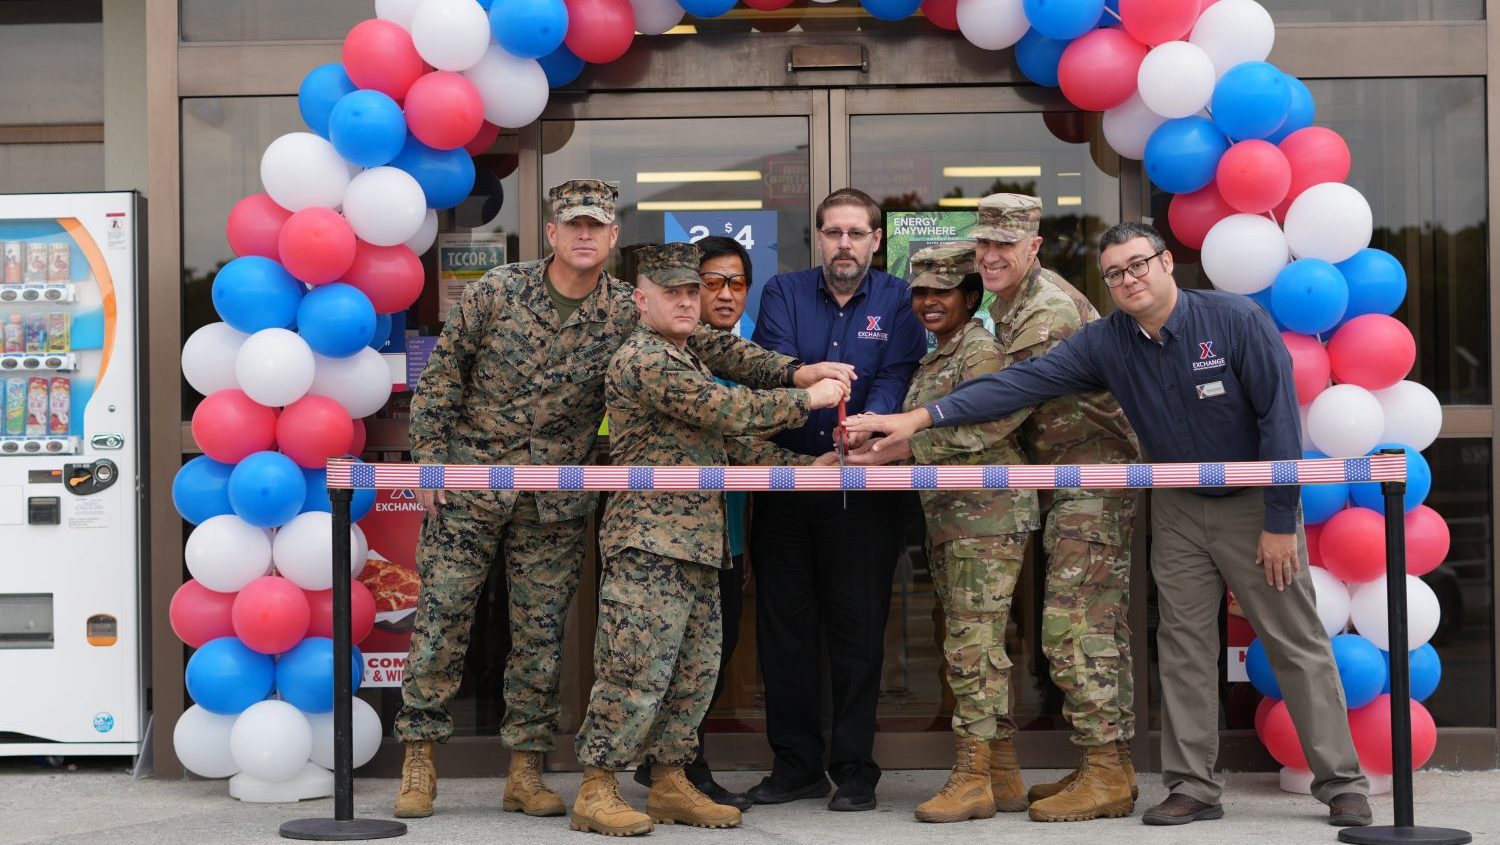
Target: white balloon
x: 208, y: 358
x: 1243, y: 253
x: 300, y: 170
x: 1413, y: 415
x: 397, y: 11
x: 201, y: 740
x: 450, y: 34
x: 1176, y: 79
x: 514, y: 90
x: 1345, y: 421
x: 992, y: 24
x: 274, y: 367
x: 1234, y: 31
x: 385, y: 206
x: 1128, y: 126
x: 1368, y: 611
x: 1307, y: 444
x: 1333, y: 600
x: 653, y: 17
x: 1331, y: 221
x: 359, y: 551
x: 361, y: 382
x: 367, y: 734
x: 271, y: 740
x: 425, y: 236
x: 304, y: 550
x: 224, y: 553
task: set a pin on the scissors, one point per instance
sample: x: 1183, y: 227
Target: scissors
x: 842, y: 449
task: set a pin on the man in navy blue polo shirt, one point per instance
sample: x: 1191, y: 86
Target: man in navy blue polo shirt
x: 1203, y: 377
x: 823, y: 570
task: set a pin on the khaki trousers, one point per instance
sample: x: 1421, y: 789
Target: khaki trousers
x: 1198, y: 544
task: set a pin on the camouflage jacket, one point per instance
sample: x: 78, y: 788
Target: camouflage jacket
x: 957, y: 514
x: 665, y: 409
x: 508, y: 385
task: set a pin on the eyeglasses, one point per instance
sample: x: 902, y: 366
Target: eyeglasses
x: 714, y: 281
x: 855, y: 235
x: 1136, y: 269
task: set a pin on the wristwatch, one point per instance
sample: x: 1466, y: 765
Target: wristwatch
x: 789, y: 373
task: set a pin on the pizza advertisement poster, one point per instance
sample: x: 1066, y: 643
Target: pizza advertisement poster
x: 392, y: 528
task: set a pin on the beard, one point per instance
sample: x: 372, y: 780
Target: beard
x: 845, y: 280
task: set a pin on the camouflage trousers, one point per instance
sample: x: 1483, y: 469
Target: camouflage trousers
x: 1085, y: 616
x: 542, y: 565
x: 656, y: 659
x: 975, y: 578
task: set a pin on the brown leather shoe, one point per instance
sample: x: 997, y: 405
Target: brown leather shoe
x: 1349, y: 809
x: 1180, y: 809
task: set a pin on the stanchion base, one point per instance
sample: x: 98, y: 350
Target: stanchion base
x: 1387, y: 834
x: 347, y: 830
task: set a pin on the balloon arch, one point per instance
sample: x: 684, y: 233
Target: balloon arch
x: 331, y: 249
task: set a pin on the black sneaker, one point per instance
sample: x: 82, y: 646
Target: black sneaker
x: 853, y: 795
x: 720, y: 795
x: 773, y: 791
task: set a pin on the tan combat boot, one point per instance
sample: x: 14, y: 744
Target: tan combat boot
x: 1005, y: 777
x: 1047, y: 790
x: 967, y: 793
x: 418, y: 782
x: 1099, y: 791
x: 674, y: 800
x: 600, y: 809
x: 1124, y: 748
x: 525, y: 791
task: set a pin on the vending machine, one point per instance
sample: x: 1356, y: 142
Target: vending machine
x: 71, y: 637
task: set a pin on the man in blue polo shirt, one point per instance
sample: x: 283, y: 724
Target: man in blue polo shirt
x: 823, y: 569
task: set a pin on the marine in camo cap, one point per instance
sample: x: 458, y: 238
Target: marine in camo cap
x: 584, y: 197
x: 670, y: 265
x: 942, y: 267
x: 1008, y: 218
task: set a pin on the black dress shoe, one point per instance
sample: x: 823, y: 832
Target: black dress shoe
x: 1349, y: 809
x: 1181, y: 809
x: 773, y: 791
x: 853, y: 795
x: 720, y: 795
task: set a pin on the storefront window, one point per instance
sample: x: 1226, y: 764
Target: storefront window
x: 272, y: 20
x: 52, y: 72
x: 1335, y: 11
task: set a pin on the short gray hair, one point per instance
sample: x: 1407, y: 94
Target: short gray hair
x: 1121, y: 233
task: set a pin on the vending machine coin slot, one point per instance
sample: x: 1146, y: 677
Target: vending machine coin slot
x: 84, y: 479
x: 44, y: 510
x: 44, y: 476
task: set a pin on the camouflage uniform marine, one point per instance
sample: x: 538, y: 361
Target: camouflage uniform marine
x: 508, y: 385
x: 976, y: 540
x: 656, y: 655
x: 1085, y: 630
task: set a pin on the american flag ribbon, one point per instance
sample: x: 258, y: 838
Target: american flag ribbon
x: 354, y: 475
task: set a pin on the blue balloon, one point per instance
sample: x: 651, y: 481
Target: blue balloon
x: 1038, y: 57
x: 1064, y: 19
x: 1309, y: 296
x: 1252, y: 100
x: 529, y: 29
x: 484, y: 4
x: 225, y: 676
x: 1377, y: 282
x: 561, y: 66
x: 446, y: 176
x: 1183, y: 155
x: 254, y: 293
x: 304, y: 675
x: 1321, y: 501
x: 1300, y: 115
x: 1426, y: 671
x: 321, y: 89
x: 1418, y: 482
x: 201, y: 489
x: 1361, y: 670
x: 1111, y: 15
x: 382, y: 331
x: 317, y: 495
x: 336, y: 320
x: 1263, y: 299
x: 368, y: 128
x: 1258, y: 667
x: 890, y: 10
x: 706, y: 8
x: 267, y: 489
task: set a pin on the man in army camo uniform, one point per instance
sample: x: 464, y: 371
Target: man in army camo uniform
x: 517, y: 377
x: 656, y: 655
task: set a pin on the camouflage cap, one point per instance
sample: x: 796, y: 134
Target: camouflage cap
x: 1008, y: 218
x: 584, y: 197
x: 669, y: 265
x: 942, y: 267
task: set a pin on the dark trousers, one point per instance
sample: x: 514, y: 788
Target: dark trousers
x: 731, y: 603
x: 823, y: 575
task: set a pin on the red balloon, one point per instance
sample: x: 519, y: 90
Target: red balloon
x: 270, y: 614
x: 317, y: 245
x: 379, y: 55
x: 480, y: 143
x: 361, y: 612
x: 199, y: 614
x: 1314, y: 551
x: 599, y: 31
x: 357, y: 445
x: 1262, y: 710
x: 1280, y: 737
x: 1192, y: 215
x: 1373, y: 351
x: 444, y: 110
x: 1156, y: 22
x: 768, y: 5
x: 254, y: 225
x: 1427, y: 540
x: 1310, y: 369
x: 1317, y: 155
x: 314, y: 429
x: 391, y: 276
x: 1098, y: 69
x: 1370, y: 727
x: 942, y: 13
x: 230, y: 426
x: 1254, y: 176
x: 1353, y: 545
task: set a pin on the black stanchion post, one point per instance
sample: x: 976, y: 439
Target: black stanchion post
x: 343, y: 826
x: 1405, y: 829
